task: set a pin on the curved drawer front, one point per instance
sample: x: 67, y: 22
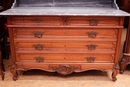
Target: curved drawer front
x: 72, y: 67
x: 48, y: 32
x: 90, y: 46
x: 46, y: 20
x: 93, y: 21
x: 43, y: 58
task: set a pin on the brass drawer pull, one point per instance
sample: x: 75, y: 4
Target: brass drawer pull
x: 38, y: 34
x: 90, y: 59
x: 93, y: 22
x: 38, y: 46
x: 36, y: 20
x: 39, y: 59
x: 92, y: 34
x: 91, y: 47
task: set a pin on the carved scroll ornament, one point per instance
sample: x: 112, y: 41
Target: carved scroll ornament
x: 65, y: 69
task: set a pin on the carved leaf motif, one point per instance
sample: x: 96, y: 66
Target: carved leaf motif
x: 15, y: 32
x: 64, y: 69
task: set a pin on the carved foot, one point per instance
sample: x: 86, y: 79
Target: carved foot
x: 13, y: 70
x: 15, y: 78
x: 2, y: 76
x: 113, y: 77
x: 123, y: 64
x: 121, y: 71
x: 115, y: 72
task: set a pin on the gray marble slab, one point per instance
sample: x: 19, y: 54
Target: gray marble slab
x: 65, y: 3
x: 75, y: 11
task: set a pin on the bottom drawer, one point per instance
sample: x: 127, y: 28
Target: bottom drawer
x: 64, y: 68
x: 61, y: 58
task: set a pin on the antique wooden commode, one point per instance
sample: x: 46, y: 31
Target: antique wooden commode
x: 65, y: 36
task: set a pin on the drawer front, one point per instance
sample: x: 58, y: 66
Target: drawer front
x: 45, y: 32
x: 86, y: 45
x: 77, y: 67
x: 44, y: 58
x: 49, y: 20
x: 93, y: 21
x: 66, y: 21
x: 63, y: 50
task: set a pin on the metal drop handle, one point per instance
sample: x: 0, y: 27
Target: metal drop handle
x: 90, y: 59
x: 92, y: 34
x: 91, y: 47
x: 37, y: 20
x: 39, y: 59
x: 38, y: 34
x: 93, y: 22
x: 38, y: 46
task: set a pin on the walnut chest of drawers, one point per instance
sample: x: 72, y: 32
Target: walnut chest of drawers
x: 65, y: 36
x: 65, y: 44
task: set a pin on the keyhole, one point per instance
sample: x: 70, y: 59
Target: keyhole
x: 65, y: 33
x: 64, y: 45
x: 64, y: 57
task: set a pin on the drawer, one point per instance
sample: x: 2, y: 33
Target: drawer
x: 63, y: 50
x: 44, y: 58
x: 86, y: 45
x: 45, y: 32
x: 49, y: 20
x: 93, y: 21
x: 78, y: 67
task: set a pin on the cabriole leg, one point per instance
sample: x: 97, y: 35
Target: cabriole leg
x: 13, y: 70
x: 115, y: 72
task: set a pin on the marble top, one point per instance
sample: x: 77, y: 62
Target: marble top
x: 65, y: 3
x: 75, y: 11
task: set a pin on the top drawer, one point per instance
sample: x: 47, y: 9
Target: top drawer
x: 46, y: 20
x: 93, y: 21
x: 65, y: 21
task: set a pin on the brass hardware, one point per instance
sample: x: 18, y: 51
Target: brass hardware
x: 90, y: 59
x: 92, y: 34
x: 93, y: 22
x: 91, y: 47
x: 38, y: 34
x: 39, y: 59
x: 38, y: 46
x: 36, y: 20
